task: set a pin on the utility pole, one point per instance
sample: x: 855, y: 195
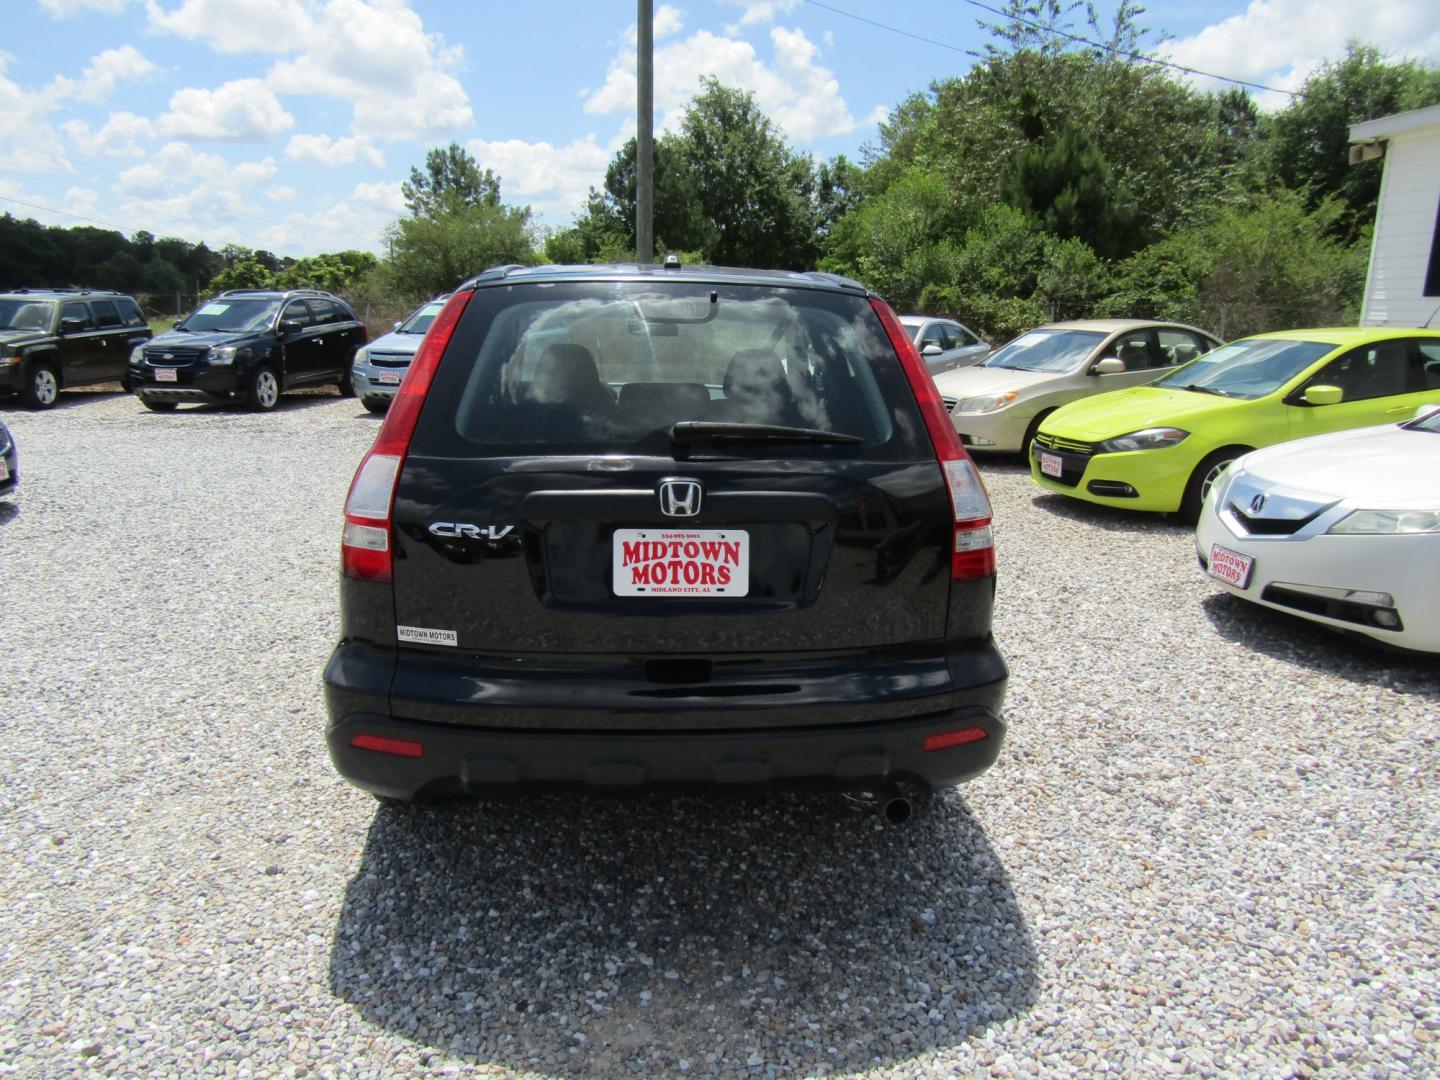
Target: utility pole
x: 644, y: 133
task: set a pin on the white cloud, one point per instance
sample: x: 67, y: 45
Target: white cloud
x: 794, y: 90
x: 762, y: 11
x: 120, y: 136
x: 281, y: 193
x: 31, y: 143
x: 105, y: 71
x: 385, y: 195
x: 376, y: 55
x: 667, y: 21
x: 357, y: 221
x: 552, y: 179
x: 323, y: 150
x: 1280, y: 42
x: 239, y: 111
x: 76, y: 203
x: 181, y: 191
x: 63, y: 9
x: 238, y: 26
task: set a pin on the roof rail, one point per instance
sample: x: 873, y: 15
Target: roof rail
x: 494, y: 273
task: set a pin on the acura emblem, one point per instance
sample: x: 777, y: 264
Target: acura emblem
x: 1257, y: 504
x: 680, y: 498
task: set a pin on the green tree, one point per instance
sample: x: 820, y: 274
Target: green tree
x: 751, y: 187
x: 1069, y: 187
x: 1310, y: 138
x: 433, y: 254
x: 245, y: 272
x: 452, y: 180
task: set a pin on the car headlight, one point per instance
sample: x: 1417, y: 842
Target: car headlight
x: 362, y: 356
x: 220, y: 354
x: 1387, y: 523
x: 1153, y: 438
x: 137, y: 354
x: 987, y: 404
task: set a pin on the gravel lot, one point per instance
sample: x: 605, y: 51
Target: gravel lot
x: 1208, y: 847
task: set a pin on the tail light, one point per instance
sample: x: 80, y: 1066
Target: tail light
x: 365, y: 548
x: 973, y: 552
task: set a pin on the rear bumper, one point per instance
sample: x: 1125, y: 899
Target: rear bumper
x: 684, y: 740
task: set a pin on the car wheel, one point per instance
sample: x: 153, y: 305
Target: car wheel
x: 1030, y: 432
x: 158, y: 406
x: 263, y: 393
x: 42, y: 387
x: 346, y: 384
x: 375, y: 405
x: 1203, y: 478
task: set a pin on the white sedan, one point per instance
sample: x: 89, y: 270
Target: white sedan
x: 1342, y: 529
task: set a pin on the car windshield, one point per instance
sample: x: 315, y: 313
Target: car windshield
x: 1430, y: 422
x: 913, y: 329
x: 230, y: 315
x: 17, y: 314
x: 1247, y: 369
x: 421, y: 320
x: 1047, y: 350
x: 689, y: 368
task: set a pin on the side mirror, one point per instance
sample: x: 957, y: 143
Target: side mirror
x: 1426, y: 410
x: 395, y: 325
x: 177, y: 324
x: 931, y: 350
x: 1322, y: 395
x: 289, y: 326
x: 1111, y: 365
x: 71, y: 326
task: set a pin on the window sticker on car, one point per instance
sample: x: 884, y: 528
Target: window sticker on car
x: 677, y: 562
x: 424, y: 635
x: 213, y: 309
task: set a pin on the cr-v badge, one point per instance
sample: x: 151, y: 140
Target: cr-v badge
x: 463, y: 530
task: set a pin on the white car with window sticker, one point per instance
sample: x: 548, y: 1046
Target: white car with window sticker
x: 1341, y: 529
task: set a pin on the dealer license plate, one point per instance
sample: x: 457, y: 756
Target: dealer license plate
x: 1050, y: 464
x: 681, y: 562
x: 388, y: 378
x: 1230, y: 566
x: 166, y: 374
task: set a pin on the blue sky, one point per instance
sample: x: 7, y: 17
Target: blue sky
x: 289, y: 124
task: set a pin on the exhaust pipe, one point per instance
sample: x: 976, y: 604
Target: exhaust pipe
x: 896, y: 807
x: 900, y: 802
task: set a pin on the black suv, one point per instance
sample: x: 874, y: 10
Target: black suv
x: 54, y: 338
x: 249, y: 345
x: 635, y: 526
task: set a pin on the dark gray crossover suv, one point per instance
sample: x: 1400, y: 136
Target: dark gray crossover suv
x: 633, y: 526
x: 249, y: 346
x: 51, y: 339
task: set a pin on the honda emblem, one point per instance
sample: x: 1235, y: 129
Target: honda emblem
x: 680, y: 498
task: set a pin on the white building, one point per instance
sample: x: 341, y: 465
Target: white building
x: 1403, y: 285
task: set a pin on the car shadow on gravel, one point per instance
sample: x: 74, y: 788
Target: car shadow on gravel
x: 66, y: 399
x: 1109, y: 518
x: 1294, y: 640
x: 293, y: 401
x: 8, y: 512
x: 600, y: 937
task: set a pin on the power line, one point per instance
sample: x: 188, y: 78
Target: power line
x: 1138, y: 57
x: 62, y: 213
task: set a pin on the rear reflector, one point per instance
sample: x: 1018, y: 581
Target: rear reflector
x: 954, y: 738
x: 398, y: 747
x: 365, y: 551
x: 973, y: 555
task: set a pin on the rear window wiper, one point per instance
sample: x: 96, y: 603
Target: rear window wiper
x: 690, y: 430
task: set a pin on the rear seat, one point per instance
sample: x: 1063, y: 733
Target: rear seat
x: 645, y: 406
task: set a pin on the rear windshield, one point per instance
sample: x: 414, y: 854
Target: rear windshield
x: 611, y: 367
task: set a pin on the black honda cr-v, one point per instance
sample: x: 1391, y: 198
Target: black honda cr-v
x: 651, y: 526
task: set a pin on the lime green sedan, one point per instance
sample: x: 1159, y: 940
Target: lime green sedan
x: 1160, y: 447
